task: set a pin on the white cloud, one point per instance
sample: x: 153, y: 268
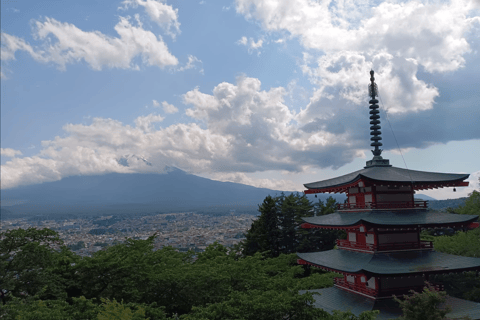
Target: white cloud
x: 243, y: 41
x: 250, y: 43
x: 11, y: 44
x: 169, y: 108
x: 350, y: 37
x: 431, y: 33
x: 192, y: 63
x: 11, y: 153
x: 274, y: 184
x: 159, y: 12
x: 96, y: 49
x: 155, y: 103
x: 144, y: 123
x: 345, y: 76
x: 245, y: 129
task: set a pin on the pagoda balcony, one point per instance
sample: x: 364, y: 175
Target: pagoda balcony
x: 349, y: 245
x: 383, y: 205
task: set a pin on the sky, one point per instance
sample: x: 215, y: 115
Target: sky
x: 266, y: 93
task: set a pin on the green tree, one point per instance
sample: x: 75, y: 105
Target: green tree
x: 264, y: 233
x: 278, y: 229
x: 425, y: 305
x: 321, y: 208
x: 112, y: 310
x: 26, y: 257
x: 472, y: 204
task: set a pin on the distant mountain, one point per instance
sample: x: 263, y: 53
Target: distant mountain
x: 172, y: 191
x: 424, y: 197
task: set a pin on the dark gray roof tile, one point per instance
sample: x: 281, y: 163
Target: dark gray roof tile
x: 389, y: 174
x: 402, y: 262
x: 390, y: 218
x: 332, y: 298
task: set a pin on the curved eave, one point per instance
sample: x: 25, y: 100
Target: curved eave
x: 387, y: 175
x: 389, y: 219
x: 391, y: 264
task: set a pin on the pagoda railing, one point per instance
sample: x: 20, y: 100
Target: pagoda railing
x: 383, y: 205
x: 343, y: 243
x: 340, y: 282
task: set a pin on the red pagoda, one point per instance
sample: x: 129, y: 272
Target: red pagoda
x: 383, y: 254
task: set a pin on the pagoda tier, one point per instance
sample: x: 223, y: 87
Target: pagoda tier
x: 380, y: 187
x: 382, y: 275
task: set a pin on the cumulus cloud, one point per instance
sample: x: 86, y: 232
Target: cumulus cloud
x: 144, y: 123
x: 11, y: 153
x: 192, y: 63
x: 12, y: 44
x: 237, y: 129
x: 243, y: 129
x: 251, y: 44
x: 350, y: 37
x: 431, y: 33
x: 162, y: 14
x: 169, y: 108
x: 273, y: 184
x: 64, y: 43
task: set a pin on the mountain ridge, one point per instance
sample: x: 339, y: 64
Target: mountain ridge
x: 173, y: 189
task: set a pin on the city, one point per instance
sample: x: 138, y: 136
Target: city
x: 183, y: 231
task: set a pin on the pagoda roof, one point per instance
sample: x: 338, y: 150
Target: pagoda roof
x: 333, y: 298
x: 389, y: 174
x: 390, y: 263
x: 390, y: 218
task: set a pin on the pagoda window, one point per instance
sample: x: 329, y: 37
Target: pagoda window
x: 370, y: 238
x: 351, y: 279
x: 352, y: 237
x: 353, y: 190
x: 371, y: 283
x: 368, y: 198
x: 352, y: 199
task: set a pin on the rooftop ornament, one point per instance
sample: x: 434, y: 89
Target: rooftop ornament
x: 375, y: 122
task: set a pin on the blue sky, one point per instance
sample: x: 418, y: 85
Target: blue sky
x: 266, y: 93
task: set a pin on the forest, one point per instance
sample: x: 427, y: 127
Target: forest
x: 42, y: 279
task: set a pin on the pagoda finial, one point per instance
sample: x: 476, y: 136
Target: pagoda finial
x: 374, y: 117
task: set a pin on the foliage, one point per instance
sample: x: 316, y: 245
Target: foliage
x: 259, y: 279
x: 278, y: 230
x: 112, y: 310
x: 472, y: 204
x: 25, y: 260
x: 425, y: 305
x: 462, y: 243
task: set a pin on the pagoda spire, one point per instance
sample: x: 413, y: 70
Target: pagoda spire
x: 375, y: 122
x: 374, y: 117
